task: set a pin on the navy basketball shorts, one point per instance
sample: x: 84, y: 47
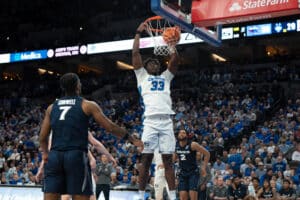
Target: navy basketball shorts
x: 188, y: 181
x: 68, y: 172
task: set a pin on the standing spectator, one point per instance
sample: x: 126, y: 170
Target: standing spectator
x: 103, y: 171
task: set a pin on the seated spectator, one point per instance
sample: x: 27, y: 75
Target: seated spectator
x: 295, y: 155
x: 266, y: 192
x: 255, y: 182
x: 32, y: 179
x: 3, y: 178
x: 15, y: 155
x: 114, y: 181
x: 219, y: 165
x: 2, y: 161
x: 134, y: 182
x: 218, y: 190
x: 247, y: 167
x: 125, y: 179
x: 14, y: 179
x: 279, y: 165
x: 267, y: 176
x: 286, y: 191
x: 237, y: 190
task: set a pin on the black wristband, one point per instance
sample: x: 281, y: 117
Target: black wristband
x: 138, y: 32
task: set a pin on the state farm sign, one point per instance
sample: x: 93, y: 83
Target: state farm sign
x: 210, y: 12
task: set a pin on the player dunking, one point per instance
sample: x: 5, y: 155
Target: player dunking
x: 67, y: 170
x: 154, y: 88
x: 188, y: 168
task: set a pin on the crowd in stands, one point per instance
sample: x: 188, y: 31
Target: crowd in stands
x: 217, y: 109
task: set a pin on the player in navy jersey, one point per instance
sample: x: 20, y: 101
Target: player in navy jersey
x: 188, y: 169
x: 67, y: 169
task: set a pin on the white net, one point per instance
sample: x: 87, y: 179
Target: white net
x: 155, y: 28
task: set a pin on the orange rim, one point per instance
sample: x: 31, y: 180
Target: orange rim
x: 153, y: 19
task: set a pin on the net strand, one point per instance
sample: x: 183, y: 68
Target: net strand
x: 160, y: 47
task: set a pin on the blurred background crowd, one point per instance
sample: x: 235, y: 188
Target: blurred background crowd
x: 246, y: 119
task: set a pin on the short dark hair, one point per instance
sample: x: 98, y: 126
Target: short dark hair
x: 150, y: 60
x: 286, y: 181
x: 68, y: 83
x: 255, y: 178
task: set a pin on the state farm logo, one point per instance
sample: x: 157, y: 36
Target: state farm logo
x: 255, y: 4
x: 235, y: 7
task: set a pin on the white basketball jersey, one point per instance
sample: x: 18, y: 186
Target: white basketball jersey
x: 155, y: 92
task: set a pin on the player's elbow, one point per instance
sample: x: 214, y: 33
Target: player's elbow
x: 109, y: 127
x: 135, y: 52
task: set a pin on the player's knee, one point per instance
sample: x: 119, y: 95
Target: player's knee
x: 146, y: 160
x: 167, y: 160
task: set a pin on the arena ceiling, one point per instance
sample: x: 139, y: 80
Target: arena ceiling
x: 28, y: 25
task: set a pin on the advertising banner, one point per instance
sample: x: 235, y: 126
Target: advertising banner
x: 28, y: 55
x: 210, y: 12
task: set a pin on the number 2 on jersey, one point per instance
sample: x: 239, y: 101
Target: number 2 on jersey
x: 64, y: 109
x: 182, y: 157
x: 157, y: 85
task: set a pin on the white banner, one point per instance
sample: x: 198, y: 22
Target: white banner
x: 32, y: 193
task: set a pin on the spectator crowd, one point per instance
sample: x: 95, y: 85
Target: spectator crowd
x: 253, y: 140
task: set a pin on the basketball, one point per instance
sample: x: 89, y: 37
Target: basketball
x: 171, y: 35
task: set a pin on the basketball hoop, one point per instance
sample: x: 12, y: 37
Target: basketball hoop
x: 165, y: 35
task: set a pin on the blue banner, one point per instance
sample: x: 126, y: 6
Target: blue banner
x: 28, y: 55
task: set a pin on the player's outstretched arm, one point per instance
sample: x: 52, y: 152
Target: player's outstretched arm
x: 136, y: 56
x: 91, y: 108
x: 92, y: 160
x: 173, y: 63
x: 44, y: 134
x: 197, y: 147
x: 40, y: 172
x: 101, y: 148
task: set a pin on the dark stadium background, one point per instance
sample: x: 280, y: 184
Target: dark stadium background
x: 37, y: 24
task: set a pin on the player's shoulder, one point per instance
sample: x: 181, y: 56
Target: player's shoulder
x: 86, y: 102
x: 89, y: 106
x: 140, y: 71
x: 49, y: 108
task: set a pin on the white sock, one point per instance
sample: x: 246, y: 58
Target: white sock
x: 142, y: 194
x: 172, y: 194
